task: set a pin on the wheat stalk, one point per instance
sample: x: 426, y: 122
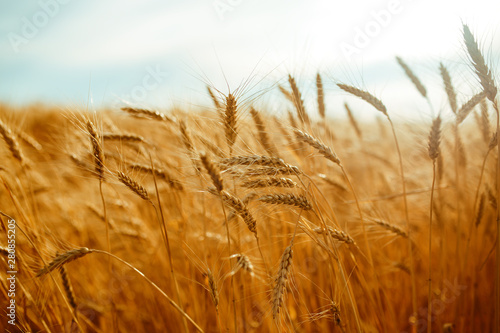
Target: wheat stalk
x: 214, y: 293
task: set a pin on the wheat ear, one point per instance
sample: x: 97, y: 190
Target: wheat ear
x: 298, y: 101
x: 214, y: 98
x: 97, y: 152
x: 214, y: 293
x: 434, y: 138
x: 336, y: 234
x: 29, y: 140
x: 287, y: 199
x: 212, y: 171
x: 392, y: 228
x: 448, y: 87
x: 485, y: 121
x: 320, y: 147
x: 122, y: 137
x: 133, y: 185
x: 163, y: 174
x: 465, y: 109
x: 11, y: 142
x: 239, y: 208
x: 414, y: 79
x: 67, y: 287
x: 261, y: 130
x: 229, y: 119
x: 281, y: 279
x: 366, y: 96
x: 482, y: 71
x: 269, y: 182
x: 63, y: 259
x: 321, y: 96
x: 353, y: 121
x: 144, y: 113
x: 288, y: 95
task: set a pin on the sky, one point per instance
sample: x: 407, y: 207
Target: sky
x: 161, y: 54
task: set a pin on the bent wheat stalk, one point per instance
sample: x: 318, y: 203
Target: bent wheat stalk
x: 74, y: 254
x: 433, y: 150
x: 377, y: 104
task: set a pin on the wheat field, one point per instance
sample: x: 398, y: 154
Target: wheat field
x: 231, y: 219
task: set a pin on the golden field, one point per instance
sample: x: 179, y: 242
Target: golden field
x: 231, y: 219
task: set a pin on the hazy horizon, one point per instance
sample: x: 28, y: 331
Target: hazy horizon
x: 160, y: 54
